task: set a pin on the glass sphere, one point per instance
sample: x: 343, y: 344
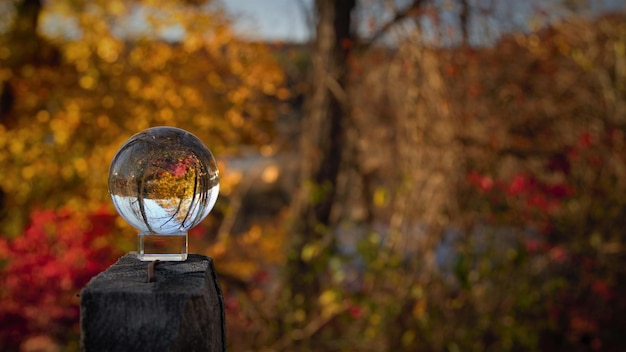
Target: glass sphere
x: 163, y: 181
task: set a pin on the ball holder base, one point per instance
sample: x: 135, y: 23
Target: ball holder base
x: 160, y: 247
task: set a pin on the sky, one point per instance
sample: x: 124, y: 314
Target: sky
x: 270, y: 19
x: 286, y: 20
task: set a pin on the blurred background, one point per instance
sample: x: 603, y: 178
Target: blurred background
x: 396, y: 175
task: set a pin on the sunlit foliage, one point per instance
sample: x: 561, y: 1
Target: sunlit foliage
x: 106, y: 81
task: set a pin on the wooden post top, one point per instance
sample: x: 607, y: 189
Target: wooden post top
x: 181, y: 310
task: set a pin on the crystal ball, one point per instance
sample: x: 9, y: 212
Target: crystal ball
x: 163, y: 181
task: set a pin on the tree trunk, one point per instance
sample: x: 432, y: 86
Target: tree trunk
x: 464, y: 19
x: 322, y: 145
x: 23, y: 37
x: 27, y: 48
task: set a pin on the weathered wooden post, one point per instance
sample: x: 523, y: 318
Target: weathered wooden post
x: 182, y: 309
x: 163, y: 181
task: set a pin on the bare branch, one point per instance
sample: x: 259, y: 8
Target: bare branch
x: 410, y: 11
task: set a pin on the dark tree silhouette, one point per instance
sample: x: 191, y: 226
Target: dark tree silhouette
x: 323, y: 139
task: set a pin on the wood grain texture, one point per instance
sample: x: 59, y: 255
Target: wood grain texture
x: 182, y: 310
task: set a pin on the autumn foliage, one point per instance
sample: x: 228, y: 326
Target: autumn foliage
x: 44, y: 269
x: 480, y: 201
x: 73, y: 90
x: 504, y: 173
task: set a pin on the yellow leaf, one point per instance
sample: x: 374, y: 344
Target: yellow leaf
x: 380, y: 197
x: 310, y: 251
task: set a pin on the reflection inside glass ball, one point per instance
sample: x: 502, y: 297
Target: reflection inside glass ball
x: 163, y: 181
